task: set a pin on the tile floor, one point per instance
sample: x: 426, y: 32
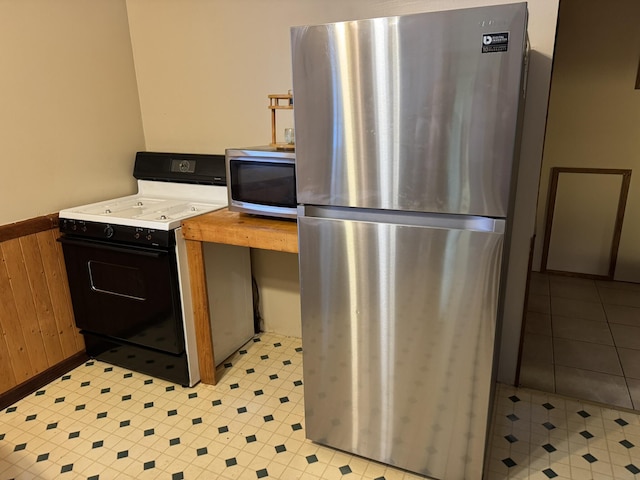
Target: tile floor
x: 103, y: 422
x: 582, y: 339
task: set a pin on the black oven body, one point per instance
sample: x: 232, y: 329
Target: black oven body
x: 126, y: 299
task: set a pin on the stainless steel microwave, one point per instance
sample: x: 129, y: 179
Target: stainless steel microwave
x: 262, y: 181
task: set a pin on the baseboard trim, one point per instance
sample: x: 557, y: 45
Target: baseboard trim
x: 26, y: 388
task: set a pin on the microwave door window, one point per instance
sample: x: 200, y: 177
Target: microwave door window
x: 264, y: 183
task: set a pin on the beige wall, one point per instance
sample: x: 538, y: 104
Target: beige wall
x: 205, y: 68
x: 594, y: 111
x: 69, y: 112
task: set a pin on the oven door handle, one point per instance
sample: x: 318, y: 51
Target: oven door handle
x: 113, y: 248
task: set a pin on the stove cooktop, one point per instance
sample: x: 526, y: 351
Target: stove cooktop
x: 141, y: 211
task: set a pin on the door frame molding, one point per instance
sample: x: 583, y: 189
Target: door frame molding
x: 622, y: 204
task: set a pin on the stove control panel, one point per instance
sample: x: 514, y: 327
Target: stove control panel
x: 118, y: 233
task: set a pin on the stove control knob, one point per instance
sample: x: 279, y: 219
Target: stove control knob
x: 108, y: 231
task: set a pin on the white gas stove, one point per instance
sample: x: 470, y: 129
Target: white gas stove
x: 171, y: 188
x: 129, y: 276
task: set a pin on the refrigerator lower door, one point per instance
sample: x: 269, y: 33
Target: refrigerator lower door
x: 398, y: 327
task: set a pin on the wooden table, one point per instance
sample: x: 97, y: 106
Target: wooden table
x: 231, y: 228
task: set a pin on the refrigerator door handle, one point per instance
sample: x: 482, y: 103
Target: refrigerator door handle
x: 415, y: 219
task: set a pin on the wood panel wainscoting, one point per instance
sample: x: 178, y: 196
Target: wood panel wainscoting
x: 38, y: 337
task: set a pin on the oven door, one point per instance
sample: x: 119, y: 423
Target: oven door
x: 124, y: 292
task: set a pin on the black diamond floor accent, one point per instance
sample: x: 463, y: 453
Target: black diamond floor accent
x: 511, y: 438
x: 509, y: 462
x: 549, y: 473
x: 224, y: 429
x: 296, y: 426
x: 74, y: 435
x: 193, y: 395
x: 42, y: 457
x: 280, y: 448
x: 148, y: 465
x: 196, y: 421
x: 621, y: 422
x: 215, y: 403
x: 126, y: 397
x: 123, y: 454
x: 312, y: 459
x: 513, y: 417
x: 273, y: 377
x: 626, y: 444
x: 258, y: 392
x: 548, y: 406
x: 231, y: 462
x: 59, y: 400
x: 586, y: 434
x: 268, y: 418
x: 284, y: 399
x: 102, y: 415
x: 125, y: 423
x: 264, y: 357
x: 262, y: 473
x: 20, y: 447
x: 233, y: 386
x: 297, y: 383
x: 584, y: 414
x: 549, y: 448
x: 242, y: 410
x: 66, y: 468
x: 177, y: 476
x: 251, y: 438
x: 149, y: 432
x: 589, y: 458
x: 170, y: 388
x: 250, y: 371
x: 202, y: 451
x: 633, y: 469
x: 30, y: 417
x: 345, y: 469
x: 174, y: 441
x: 172, y: 413
x: 514, y: 399
x: 97, y: 444
x: 286, y: 362
x: 548, y: 425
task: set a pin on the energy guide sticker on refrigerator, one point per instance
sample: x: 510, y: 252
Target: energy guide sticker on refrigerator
x: 407, y: 138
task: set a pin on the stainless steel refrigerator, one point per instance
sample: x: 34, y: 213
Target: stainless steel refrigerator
x: 406, y: 140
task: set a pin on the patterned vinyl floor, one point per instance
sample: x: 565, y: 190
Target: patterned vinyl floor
x: 103, y: 422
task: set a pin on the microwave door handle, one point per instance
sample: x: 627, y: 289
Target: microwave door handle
x: 111, y: 248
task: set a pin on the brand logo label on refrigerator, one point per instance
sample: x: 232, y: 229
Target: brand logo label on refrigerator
x: 495, y: 42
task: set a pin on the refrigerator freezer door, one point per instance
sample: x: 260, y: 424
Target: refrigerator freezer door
x: 398, y: 326
x: 417, y: 112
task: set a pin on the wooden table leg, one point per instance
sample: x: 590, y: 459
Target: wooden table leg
x: 200, y: 300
